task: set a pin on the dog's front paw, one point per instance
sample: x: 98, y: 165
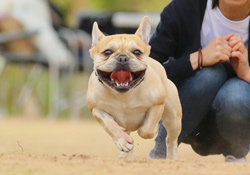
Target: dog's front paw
x: 126, y: 155
x: 125, y: 143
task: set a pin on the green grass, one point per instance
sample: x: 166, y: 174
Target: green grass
x: 113, y: 5
x: 15, y: 77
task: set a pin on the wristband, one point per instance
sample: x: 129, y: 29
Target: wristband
x: 200, y: 59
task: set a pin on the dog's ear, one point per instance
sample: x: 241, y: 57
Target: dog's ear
x: 144, y: 29
x: 96, y: 34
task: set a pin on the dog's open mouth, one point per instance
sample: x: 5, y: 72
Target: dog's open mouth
x: 121, y: 80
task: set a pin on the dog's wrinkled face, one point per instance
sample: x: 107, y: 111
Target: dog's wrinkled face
x: 120, y: 61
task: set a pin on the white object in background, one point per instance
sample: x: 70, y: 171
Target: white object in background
x: 35, y: 15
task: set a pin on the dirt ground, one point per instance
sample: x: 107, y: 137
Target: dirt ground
x: 45, y: 147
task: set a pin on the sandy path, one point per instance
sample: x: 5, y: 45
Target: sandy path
x: 74, y: 148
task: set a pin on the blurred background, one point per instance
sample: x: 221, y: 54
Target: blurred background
x: 44, y: 58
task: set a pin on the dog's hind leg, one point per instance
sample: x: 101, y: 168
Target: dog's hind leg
x: 151, y: 123
x: 172, y: 124
x: 172, y: 121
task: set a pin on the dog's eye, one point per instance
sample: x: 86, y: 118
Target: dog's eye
x: 137, y: 52
x: 107, y: 52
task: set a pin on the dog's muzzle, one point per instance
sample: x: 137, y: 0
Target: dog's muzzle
x: 121, y: 80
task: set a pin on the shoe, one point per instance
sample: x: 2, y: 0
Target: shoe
x: 158, y: 153
x: 232, y: 159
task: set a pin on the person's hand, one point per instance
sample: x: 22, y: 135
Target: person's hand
x: 239, y: 57
x: 217, y: 50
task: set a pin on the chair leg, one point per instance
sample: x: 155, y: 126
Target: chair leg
x: 29, y: 86
x: 53, y: 90
x: 2, y: 64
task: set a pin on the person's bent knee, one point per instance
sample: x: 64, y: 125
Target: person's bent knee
x: 232, y: 106
x: 207, y: 78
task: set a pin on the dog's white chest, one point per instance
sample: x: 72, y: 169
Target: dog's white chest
x: 129, y: 115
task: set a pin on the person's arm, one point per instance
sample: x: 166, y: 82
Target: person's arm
x: 165, y: 43
x: 217, y: 50
x: 176, y: 41
x: 247, y: 76
x: 239, y: 58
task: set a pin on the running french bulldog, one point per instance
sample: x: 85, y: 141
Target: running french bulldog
x: 130, y: 91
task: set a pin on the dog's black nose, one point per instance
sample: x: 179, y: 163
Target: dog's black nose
x: 123, y: 59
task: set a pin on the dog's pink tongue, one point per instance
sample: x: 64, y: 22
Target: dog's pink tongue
x: 121, y: 76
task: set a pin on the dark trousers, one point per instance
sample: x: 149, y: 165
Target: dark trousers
x: 216, y: 113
